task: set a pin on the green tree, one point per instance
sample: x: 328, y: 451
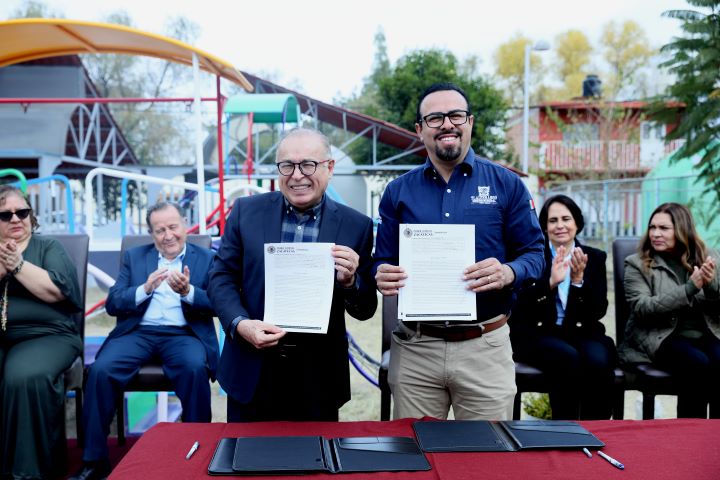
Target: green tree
x: 573, y: 51
x: 627, y: 51
x: 391, y: 93
x: 509, y: 59
x: 157, y: 134
x: 400, y: 90
x: 368, y: 101
x: 693, y: 101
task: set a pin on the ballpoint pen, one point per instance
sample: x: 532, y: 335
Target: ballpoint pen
x: 612, y: 461
x: 587, y: 452
x: 192, y: 450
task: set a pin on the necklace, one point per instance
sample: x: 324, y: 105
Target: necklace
x: 3, y: 306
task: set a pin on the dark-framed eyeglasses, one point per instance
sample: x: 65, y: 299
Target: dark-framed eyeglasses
x: 22, y: 214
x: 436, y: 119
x: 307, y: 167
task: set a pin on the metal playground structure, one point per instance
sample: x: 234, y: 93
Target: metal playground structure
x: 101, y: 151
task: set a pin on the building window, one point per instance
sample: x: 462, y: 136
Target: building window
x: 652, y: 131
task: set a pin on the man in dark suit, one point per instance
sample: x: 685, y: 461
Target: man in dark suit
x: 270, y: 374
x: 163, y: 313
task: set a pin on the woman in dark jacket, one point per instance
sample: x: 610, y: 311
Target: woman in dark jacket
x: 673, y: 291
x: 555, y: 325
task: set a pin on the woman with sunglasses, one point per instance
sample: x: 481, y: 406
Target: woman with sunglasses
x: 556, y: 324
x: 39, y: 292
x: 672, y: 287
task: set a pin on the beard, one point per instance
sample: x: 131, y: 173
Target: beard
x: 448, y: 154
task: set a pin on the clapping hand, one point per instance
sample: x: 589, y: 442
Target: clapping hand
x: 179, y: 282
x: 578, y: 262
x: 703, y: 275
x: 10, y: 257
x: 558, y: 270
x: 155, y: 279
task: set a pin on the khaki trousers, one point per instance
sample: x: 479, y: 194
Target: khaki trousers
x: 476, y: 377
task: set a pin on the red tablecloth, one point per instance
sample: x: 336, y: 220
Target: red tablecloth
x: 650, y: 449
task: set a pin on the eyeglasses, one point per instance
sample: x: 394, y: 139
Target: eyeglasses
x: 22, y: 214
x: 307, y: 167
x: 436, y: 119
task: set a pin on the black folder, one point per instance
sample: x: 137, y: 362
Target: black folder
x: 505, y: 436
x: 298, y: 455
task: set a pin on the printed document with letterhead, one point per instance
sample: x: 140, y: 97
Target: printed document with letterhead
x: 299, y: 281
x: 434, y: 257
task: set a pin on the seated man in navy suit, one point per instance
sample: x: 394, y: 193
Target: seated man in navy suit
x: 268, y: 373
x: 163, y: 314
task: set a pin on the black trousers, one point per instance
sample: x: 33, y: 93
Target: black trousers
x: 290, y: 389
x: 696, y: 365
x: 580, y: 369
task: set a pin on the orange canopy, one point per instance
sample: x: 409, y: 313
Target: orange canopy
x: 32, y: 38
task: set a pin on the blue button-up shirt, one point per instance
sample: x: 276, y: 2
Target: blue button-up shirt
x: 479, y: 192
x: 165, y: 308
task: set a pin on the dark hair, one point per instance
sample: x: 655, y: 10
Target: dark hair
x: 570, y: 204
x: 689, y: 247
x: 7, y: 190
x: 440, y: 87
x: 161, y: 206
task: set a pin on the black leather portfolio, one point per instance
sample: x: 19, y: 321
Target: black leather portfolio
x: 506, y: 436
x: 297, y: 455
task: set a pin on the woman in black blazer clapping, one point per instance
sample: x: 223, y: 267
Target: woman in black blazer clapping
x: 555, y: 325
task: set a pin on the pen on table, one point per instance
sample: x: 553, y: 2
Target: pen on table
x: 587, y: 452
x: 192, y: 450
x: 612, y: 461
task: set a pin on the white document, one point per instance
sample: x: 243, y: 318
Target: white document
x: 299, y: 280
x: 434, y: 258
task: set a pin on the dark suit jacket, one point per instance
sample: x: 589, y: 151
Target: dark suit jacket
x: 237, y: 288
x: 137, y: 264
x: 535, y: 312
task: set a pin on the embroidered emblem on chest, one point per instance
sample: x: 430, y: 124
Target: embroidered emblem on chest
x: 483, y: 197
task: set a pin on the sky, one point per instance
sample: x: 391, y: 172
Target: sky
x: 324, y: 48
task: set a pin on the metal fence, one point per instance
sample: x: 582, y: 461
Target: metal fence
x: 616, y: 208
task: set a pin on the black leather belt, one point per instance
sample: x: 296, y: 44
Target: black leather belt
x: 455, y: 333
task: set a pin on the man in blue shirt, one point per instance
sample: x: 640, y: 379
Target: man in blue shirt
x: 466, y: 365
x: 163, y: 312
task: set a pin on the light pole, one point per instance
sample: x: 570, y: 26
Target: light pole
x: 541, y: 45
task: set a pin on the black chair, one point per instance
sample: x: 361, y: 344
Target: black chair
x: 76, y: 246
x: 527, y: 378
x: 150, y: 377
x: 389, y: 321
x: 645, y: 377
x: 531, y: 379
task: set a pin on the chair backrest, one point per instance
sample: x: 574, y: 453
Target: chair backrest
x: 622, y: 247
x: 76, y: 245
x: 130, y: 241
x: 389, y: 320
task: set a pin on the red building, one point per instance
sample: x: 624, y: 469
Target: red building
x: 590, y: 138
